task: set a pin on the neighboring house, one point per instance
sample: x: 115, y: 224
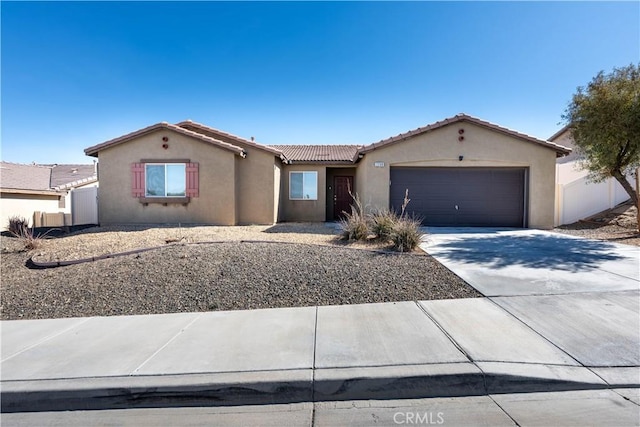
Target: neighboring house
x: 576, y: 196
x: 25, y: 189
x: 459, y: 171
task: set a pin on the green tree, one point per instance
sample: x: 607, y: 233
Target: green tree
x: 604, y: 120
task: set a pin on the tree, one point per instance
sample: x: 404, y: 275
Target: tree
x: 604, y: 120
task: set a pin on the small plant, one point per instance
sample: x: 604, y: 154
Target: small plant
x: 382, y: 223
x: 406, y: 234
x: 19, y: 228
x: 18, y: 225
x: 405, y: 202
x: 354, y: 225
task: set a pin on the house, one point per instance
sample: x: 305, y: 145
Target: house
x: 458, y: 171
x: 29, y: 188
x: 577, y: 197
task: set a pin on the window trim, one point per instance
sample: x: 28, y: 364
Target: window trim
x: 165, y: 164
x: 304, y: 172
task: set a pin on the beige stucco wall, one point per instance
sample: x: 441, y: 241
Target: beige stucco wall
x: 255, y: 181
x: 25, y: 205
x: 565, y: 139
x: 277, y: 190
x: 481, y: 148
x: 303, y: 210
x: 255, y: 186
x: 216, y: 203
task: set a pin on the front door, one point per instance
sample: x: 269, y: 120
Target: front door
x: 342, y: 185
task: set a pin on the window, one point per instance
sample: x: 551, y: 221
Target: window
x: 165, y: 180
x: 303, y: 185
x: 159, y: 182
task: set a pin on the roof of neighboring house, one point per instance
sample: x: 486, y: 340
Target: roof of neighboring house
x: 93, y: 151
x: 199, y: 127
x: 319, y: 153
x: 25, y: 177
x: 47, y: 178
x: 66, y: 176
x: 560, y: 150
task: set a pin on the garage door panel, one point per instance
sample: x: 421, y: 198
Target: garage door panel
x: 483, y: 196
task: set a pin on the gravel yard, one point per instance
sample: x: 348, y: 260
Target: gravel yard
x: 252, y: 268
x: 616, y: 225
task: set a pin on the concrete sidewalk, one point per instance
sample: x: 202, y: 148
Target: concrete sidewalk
x: 578, y: 329
x: 468, y: 347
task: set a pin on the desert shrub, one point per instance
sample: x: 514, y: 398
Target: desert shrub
x: 18, y: 225
x: 19, y: 228
x: 382, y: 222
x: 406, y: 234
x: 354, y: 225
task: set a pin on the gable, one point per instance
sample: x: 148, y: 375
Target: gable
x: 460, y: 120
x: 94, y: 150
x: 226, y: 137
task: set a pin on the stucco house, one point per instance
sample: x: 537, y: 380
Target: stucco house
x: 459, y: 171
x: 29, y: 188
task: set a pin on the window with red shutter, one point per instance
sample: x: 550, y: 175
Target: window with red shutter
x: 155, y: 180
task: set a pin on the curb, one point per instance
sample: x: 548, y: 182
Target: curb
x: 291, y: 386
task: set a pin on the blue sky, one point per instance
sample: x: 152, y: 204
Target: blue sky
x: 79, y: 73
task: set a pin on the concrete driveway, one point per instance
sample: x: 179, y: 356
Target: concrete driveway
x: 581, y: 295
x: 507, y: 262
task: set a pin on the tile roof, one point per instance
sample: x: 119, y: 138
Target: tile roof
x: 65, y: 175
x: 54, y: 177
x: 560, y: 150
x: 319, y: 153
x: 25, y: 177
x: 93, y: 151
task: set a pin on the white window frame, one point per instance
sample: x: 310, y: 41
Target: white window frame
x: 146, y: 175
x: 303, y: 172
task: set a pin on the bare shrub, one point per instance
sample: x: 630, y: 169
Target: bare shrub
x: 406, y: 234
x: 382, y: 223
x: 19, y: 228
x: 18, y: 225
x: 354, y: 225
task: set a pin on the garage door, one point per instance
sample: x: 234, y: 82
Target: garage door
x: 472, y: 197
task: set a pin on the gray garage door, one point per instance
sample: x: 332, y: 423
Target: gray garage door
x: 473, y: 197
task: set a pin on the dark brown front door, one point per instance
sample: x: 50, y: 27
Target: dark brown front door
x: 341, y: 197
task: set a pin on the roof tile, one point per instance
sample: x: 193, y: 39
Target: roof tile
x: 53, y: 177
x: 319, y: 153
x: 25, y: 177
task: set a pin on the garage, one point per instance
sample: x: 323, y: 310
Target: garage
x: 469, y: 197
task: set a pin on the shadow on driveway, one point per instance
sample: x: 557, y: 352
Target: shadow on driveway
x: 532, y: 251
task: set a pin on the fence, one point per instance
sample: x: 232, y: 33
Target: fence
x: 84, y: 206
x: 44, y: 219
x: 84, y: 210
x: 580, y: 199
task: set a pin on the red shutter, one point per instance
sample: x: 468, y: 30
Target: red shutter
x: 193, y: 185
x: 137, y: 179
